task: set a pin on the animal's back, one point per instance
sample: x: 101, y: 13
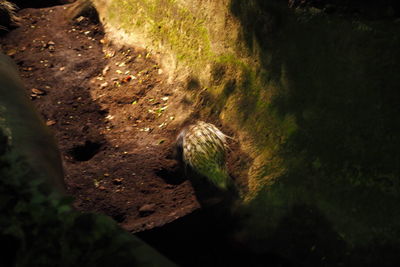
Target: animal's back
x: 203, y: 147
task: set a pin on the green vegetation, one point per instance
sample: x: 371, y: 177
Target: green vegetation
x: 166, y: 24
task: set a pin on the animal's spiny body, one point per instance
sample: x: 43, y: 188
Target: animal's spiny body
x: 203, y: 147
x: 8, y: 17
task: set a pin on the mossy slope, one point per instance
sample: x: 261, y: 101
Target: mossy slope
x: 314, y: 98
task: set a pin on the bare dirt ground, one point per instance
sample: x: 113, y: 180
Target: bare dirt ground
x: 112, y: 113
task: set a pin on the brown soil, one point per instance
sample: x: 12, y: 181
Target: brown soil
x: 112, y: 113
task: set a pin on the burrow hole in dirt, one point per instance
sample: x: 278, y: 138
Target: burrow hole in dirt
x: 86, y: 151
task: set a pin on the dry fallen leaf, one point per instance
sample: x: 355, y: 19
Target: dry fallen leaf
x: 50, y: 122
x: 38, y: 91
x: 11, y: 52
x: 105, y: 70
x: 103, y: 85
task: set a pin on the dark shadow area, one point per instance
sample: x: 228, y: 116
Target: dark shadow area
x: 193, y: 84
x: 116, y: 213
x: 306, y: 237
x: 9, y: 252
x: 173, y: 175
x: 366, y: 8
x: 3, y: 143
x: 206, y: 238
x: 208, y: 194
x: 338, y: 80
x: 366, y: 256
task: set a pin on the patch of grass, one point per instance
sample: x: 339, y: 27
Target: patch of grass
x: 167, y: 24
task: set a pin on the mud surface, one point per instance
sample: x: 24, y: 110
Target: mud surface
x: 112, y: 113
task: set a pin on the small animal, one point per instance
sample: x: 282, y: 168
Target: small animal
x: 202, y: 147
